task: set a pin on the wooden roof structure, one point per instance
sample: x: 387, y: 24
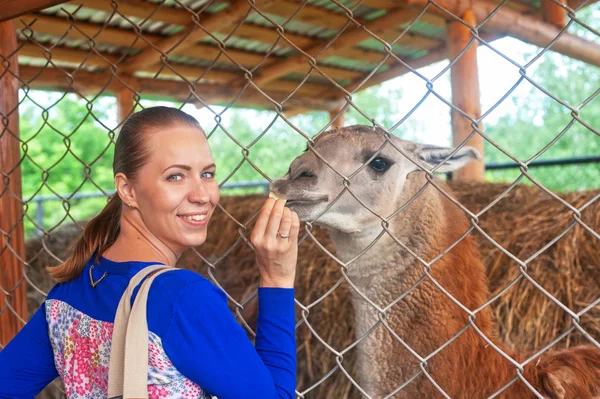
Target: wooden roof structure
x: 161, y: 47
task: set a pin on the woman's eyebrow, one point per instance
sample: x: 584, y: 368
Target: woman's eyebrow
x: 186, y: 167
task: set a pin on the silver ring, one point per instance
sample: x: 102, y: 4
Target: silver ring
x: 283, y: 235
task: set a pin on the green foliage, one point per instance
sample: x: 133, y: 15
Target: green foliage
x: 65, y: 149
x: 540, y: 119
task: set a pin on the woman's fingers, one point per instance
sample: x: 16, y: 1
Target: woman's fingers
x: 295, y: 227
x: 286, y: 223
x: 276, y: 256
x: 263, y: 219
x: 275, y: 219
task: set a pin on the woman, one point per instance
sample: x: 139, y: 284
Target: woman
x: 166, y: 193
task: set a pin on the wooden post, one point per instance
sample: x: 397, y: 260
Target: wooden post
x: 339, y: 122
x: 554, y: 14
x: 465, y: 94
x: 125, y: 103
x: 12, y: 239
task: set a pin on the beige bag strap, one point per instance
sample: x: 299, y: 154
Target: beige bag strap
x: 128, y: 368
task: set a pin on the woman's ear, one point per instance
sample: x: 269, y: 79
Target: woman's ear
x: 125, y: 190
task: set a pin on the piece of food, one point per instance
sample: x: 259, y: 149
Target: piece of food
x: 273, y: 195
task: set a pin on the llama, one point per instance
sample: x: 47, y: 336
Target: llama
x: 425, y: 319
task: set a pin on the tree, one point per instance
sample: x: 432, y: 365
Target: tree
x: 540, y: 119
x: 66, y: 149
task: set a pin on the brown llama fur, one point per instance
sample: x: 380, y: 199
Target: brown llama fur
x: 469, y: 367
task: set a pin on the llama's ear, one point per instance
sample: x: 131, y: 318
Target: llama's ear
x: 431, y: 157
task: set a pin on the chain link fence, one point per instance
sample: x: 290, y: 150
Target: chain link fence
x: 287, y: 57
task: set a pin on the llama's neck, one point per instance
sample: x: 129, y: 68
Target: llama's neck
x: 425, y: 318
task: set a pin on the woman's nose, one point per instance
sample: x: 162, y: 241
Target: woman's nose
x: 199, y: 193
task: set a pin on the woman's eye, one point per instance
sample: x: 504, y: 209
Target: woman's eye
x: 380, y: 164
x: 209, y: 175
x: 175, y: 177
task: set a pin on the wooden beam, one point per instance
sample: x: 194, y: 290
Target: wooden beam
x: 537, y: 32
x: 575, y: 4
x: 63, y: 55
x: 380, y: 4
x: 67, y: 55
x: 389, y: 5
x: 553, y: 13
x: 178, y: 16
x: 310, y: 14
x: 465, y: 94
x: 349, y: 38
x: 12, y: 236
x: 15, y: 8
x: 77, y: 57
x: 187, y: 38
x: 54, y: 80
x: 269, y: 35
x: 396, y: 70
x: 266, y: 35
x: 223, y: 94
x: 522, y: 8
x: 525, y: 28
x: 248, y: 31
x: 58, y: 26
x: 140, y: 9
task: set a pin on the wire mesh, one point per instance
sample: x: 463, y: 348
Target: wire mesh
x: 280, y: 55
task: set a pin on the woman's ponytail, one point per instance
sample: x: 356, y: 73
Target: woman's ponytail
x: 99, y: 234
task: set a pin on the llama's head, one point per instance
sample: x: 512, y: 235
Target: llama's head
x: 377, y: 173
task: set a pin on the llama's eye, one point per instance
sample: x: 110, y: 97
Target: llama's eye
x: 380, y: 164
x: 306, y: 174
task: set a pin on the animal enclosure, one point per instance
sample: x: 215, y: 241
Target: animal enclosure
x: 540, y: 249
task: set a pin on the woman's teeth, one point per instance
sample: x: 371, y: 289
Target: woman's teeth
x: 194, y: 217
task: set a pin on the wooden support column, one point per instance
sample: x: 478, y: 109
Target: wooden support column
x: 553, y: 13
x: 12, y: 239
x: 125, y: 100
x: 339, y: 122
x: 465, y: 94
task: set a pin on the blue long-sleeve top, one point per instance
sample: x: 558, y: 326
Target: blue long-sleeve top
x: 197, y: 349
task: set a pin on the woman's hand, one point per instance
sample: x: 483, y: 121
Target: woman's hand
x: 275, y: 241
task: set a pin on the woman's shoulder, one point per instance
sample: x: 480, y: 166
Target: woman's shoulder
x: 180, y: 293
x: 181, y: 284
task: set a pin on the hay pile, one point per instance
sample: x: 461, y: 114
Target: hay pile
x: 523, y: 222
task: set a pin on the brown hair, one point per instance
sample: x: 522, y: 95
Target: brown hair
x: 131, y: 153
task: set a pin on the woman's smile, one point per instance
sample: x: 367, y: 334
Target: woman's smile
x: 195, y: 219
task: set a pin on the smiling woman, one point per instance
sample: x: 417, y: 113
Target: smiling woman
x: 166, y: 193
